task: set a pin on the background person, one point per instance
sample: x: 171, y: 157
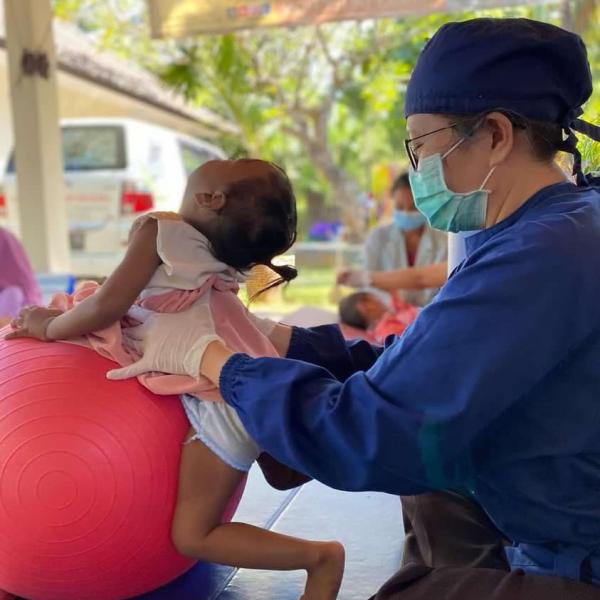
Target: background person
x: 408, y: 241
x: 376, y: 319
x: 18, y: 286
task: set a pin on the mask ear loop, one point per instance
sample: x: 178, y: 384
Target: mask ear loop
x: 487, y: 178
x: 454, y: 146
x: 462, y: 139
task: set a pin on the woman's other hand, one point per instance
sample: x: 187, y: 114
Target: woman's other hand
x: 279, y: 334
x: 265, y: 326
x: 354, y: 278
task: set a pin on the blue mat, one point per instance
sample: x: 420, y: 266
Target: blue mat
x: 368, y: 524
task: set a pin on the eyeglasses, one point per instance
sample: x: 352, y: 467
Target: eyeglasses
x: 516, y: 119
x: 410, y: 151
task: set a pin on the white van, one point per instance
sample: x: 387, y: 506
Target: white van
x: 115, y: 170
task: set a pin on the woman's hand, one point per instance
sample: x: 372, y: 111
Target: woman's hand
x: 280, y: 337
x: 170, y: 343
x: 354, y: 278
x: 33, y: 322
x: 279, y: 334
x: 265, y: 326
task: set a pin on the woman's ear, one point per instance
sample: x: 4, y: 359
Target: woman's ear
x: 502, y: 140
x: 212, y: 200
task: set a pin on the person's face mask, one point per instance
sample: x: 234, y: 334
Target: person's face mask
x: 443, y: 208
x: 407, y: 220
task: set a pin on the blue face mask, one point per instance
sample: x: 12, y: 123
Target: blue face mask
x: 407, y: 220
x: 445, y: 209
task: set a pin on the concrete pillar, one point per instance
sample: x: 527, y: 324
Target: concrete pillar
x: 38, y: 154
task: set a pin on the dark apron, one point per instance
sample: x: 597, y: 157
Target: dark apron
x: 454, y: 552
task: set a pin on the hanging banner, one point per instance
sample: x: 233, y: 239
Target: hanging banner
x: 179, y: 18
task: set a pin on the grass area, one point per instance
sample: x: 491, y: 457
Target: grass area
x: 312, y: 287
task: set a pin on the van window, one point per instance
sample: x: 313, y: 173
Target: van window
x: 193, y: 157
x: 90, y: 148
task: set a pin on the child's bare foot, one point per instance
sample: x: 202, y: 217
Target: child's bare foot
x: 325, y: 576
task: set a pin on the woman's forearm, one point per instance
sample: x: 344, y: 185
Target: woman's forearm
x: 413, y: 278
x: 347, y: 360
x: 213, y: 360
x: 281, y: 337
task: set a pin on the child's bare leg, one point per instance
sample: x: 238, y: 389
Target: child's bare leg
x: 206, y: 484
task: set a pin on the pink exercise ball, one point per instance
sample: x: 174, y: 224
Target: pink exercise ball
x: 88, y: 477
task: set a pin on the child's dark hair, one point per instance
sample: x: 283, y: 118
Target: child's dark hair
x: 257, y: 223
x: 349, y: 312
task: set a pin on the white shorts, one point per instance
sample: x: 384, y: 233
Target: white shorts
x: 218, y: 426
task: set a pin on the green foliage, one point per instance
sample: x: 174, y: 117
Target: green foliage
x: 590, y: 152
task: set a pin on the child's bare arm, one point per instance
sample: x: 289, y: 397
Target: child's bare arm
x: 117, y: 294
x: 107, y: 305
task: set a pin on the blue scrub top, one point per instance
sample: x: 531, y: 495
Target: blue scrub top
x: 493, y: 391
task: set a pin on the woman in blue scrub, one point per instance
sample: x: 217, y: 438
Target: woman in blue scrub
x: 488, y: 406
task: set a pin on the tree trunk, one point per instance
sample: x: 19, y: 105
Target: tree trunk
x: 344, y: 190
x: 315, y: 205
x: 312, y: 132
x: 566, y: 15
x: 578, y: 15
x: 586, y: 16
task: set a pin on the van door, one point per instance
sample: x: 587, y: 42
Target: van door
x: 95, y: 162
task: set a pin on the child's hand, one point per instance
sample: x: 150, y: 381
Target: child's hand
x: 33, y: 322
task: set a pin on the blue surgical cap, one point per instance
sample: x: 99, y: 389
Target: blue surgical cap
x: 534, y: 69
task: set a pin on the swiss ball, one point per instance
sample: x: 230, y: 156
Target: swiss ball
x: 88, y: 477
